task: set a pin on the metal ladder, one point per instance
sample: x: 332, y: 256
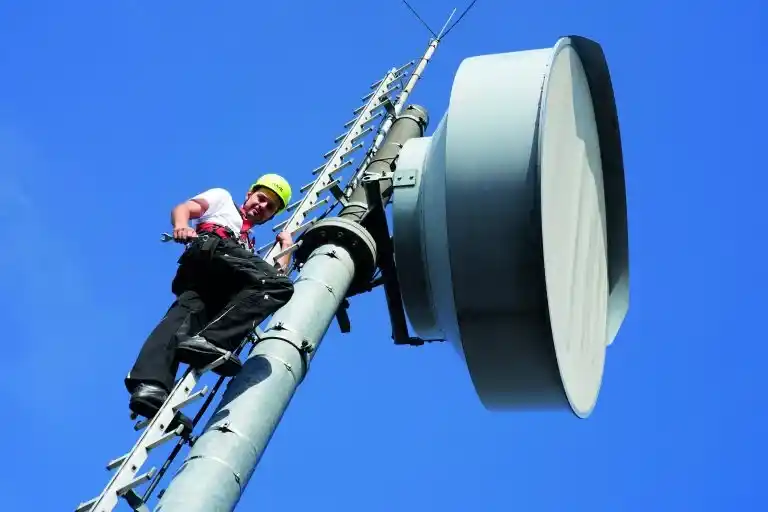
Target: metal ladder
x: 156, y: 433
x: 376, y: 105
x: 359, y: 132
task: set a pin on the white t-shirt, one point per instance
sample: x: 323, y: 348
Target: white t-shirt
x: 222, y: 209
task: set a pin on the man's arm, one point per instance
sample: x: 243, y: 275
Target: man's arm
x: 181, y: 215
x: 285, y: 240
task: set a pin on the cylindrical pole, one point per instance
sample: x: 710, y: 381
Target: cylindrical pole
x: 222, y: 460
x: 410, y: 124
x: 218, y: 467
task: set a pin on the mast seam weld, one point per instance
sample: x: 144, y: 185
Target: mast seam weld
x: 235, y: 474
x: 227, y: 427
x: 302, y: 347
x: 288, y: 366
x: 328, y: 287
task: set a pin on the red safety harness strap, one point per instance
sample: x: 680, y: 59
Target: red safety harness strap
x: 224, y: 232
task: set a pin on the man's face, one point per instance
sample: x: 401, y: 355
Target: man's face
x: 261, y: 205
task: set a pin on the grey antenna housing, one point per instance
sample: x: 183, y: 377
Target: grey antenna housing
x: 510, y: 226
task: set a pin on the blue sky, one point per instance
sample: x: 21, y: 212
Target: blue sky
x: 111, y: 112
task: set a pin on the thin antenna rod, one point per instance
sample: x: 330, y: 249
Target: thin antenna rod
x: 397, y: 108
x: 442, y: 30
x: 472, y: 4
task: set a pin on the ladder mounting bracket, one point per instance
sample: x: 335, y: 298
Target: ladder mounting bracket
x: 342, y: 317
x: 338, y: 194
x: 375, y: 221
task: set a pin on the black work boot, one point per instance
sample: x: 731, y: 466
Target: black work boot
x: 147, y: 399
x: 198, y: 352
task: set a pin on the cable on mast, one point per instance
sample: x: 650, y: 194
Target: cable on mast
x: 443, y: 31
x: 420, y: 19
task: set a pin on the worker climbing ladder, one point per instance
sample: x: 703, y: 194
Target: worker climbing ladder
x: 170, y: 423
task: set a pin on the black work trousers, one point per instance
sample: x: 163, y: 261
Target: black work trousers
x: 223, y: 292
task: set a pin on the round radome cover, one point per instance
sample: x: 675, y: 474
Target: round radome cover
x: 573, y: 218
x: 524, y: 284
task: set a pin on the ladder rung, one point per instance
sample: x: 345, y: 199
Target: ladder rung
x: 342, y: 166
x: 289, y: 250
x: 167, y: 437
x: 126, y: 467
x: 326, y: 187
x: 305, y: 225
x: 351, y: 150
x: 136, y: 482
x: 86, y: 505
x: 278, y: 227
x: 359, y: 109
x: 388, y: 91
x: 191, y: 398
x: 376, y: 107
x: 116, y: 462
x: 389, y: 74
x: 373, y: 118
x: 307, y: 186
x: 264, y: 247
x: 395, y: 87
x: 220, y: 361
x: 317, y: 205
x: 362, y: 134
x: 293, y: 205
x: 330, y: 153
x: 404, y: 67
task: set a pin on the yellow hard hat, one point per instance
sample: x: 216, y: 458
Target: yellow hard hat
x: 276, y: 184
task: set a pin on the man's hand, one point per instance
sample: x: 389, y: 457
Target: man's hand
x: 284, y: 239
x: 182, y: 234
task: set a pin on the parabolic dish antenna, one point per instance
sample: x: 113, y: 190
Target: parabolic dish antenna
x: 510, y: 226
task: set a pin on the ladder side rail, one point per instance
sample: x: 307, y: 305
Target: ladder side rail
x: 324, y: 177
x: 382, y: 129
x: 254, y: 337
x: 132, y: 461
x: 398, y: 107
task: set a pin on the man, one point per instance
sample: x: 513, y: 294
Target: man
x: 223, y: 290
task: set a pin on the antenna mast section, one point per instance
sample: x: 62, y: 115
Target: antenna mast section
x: 337, y: 257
